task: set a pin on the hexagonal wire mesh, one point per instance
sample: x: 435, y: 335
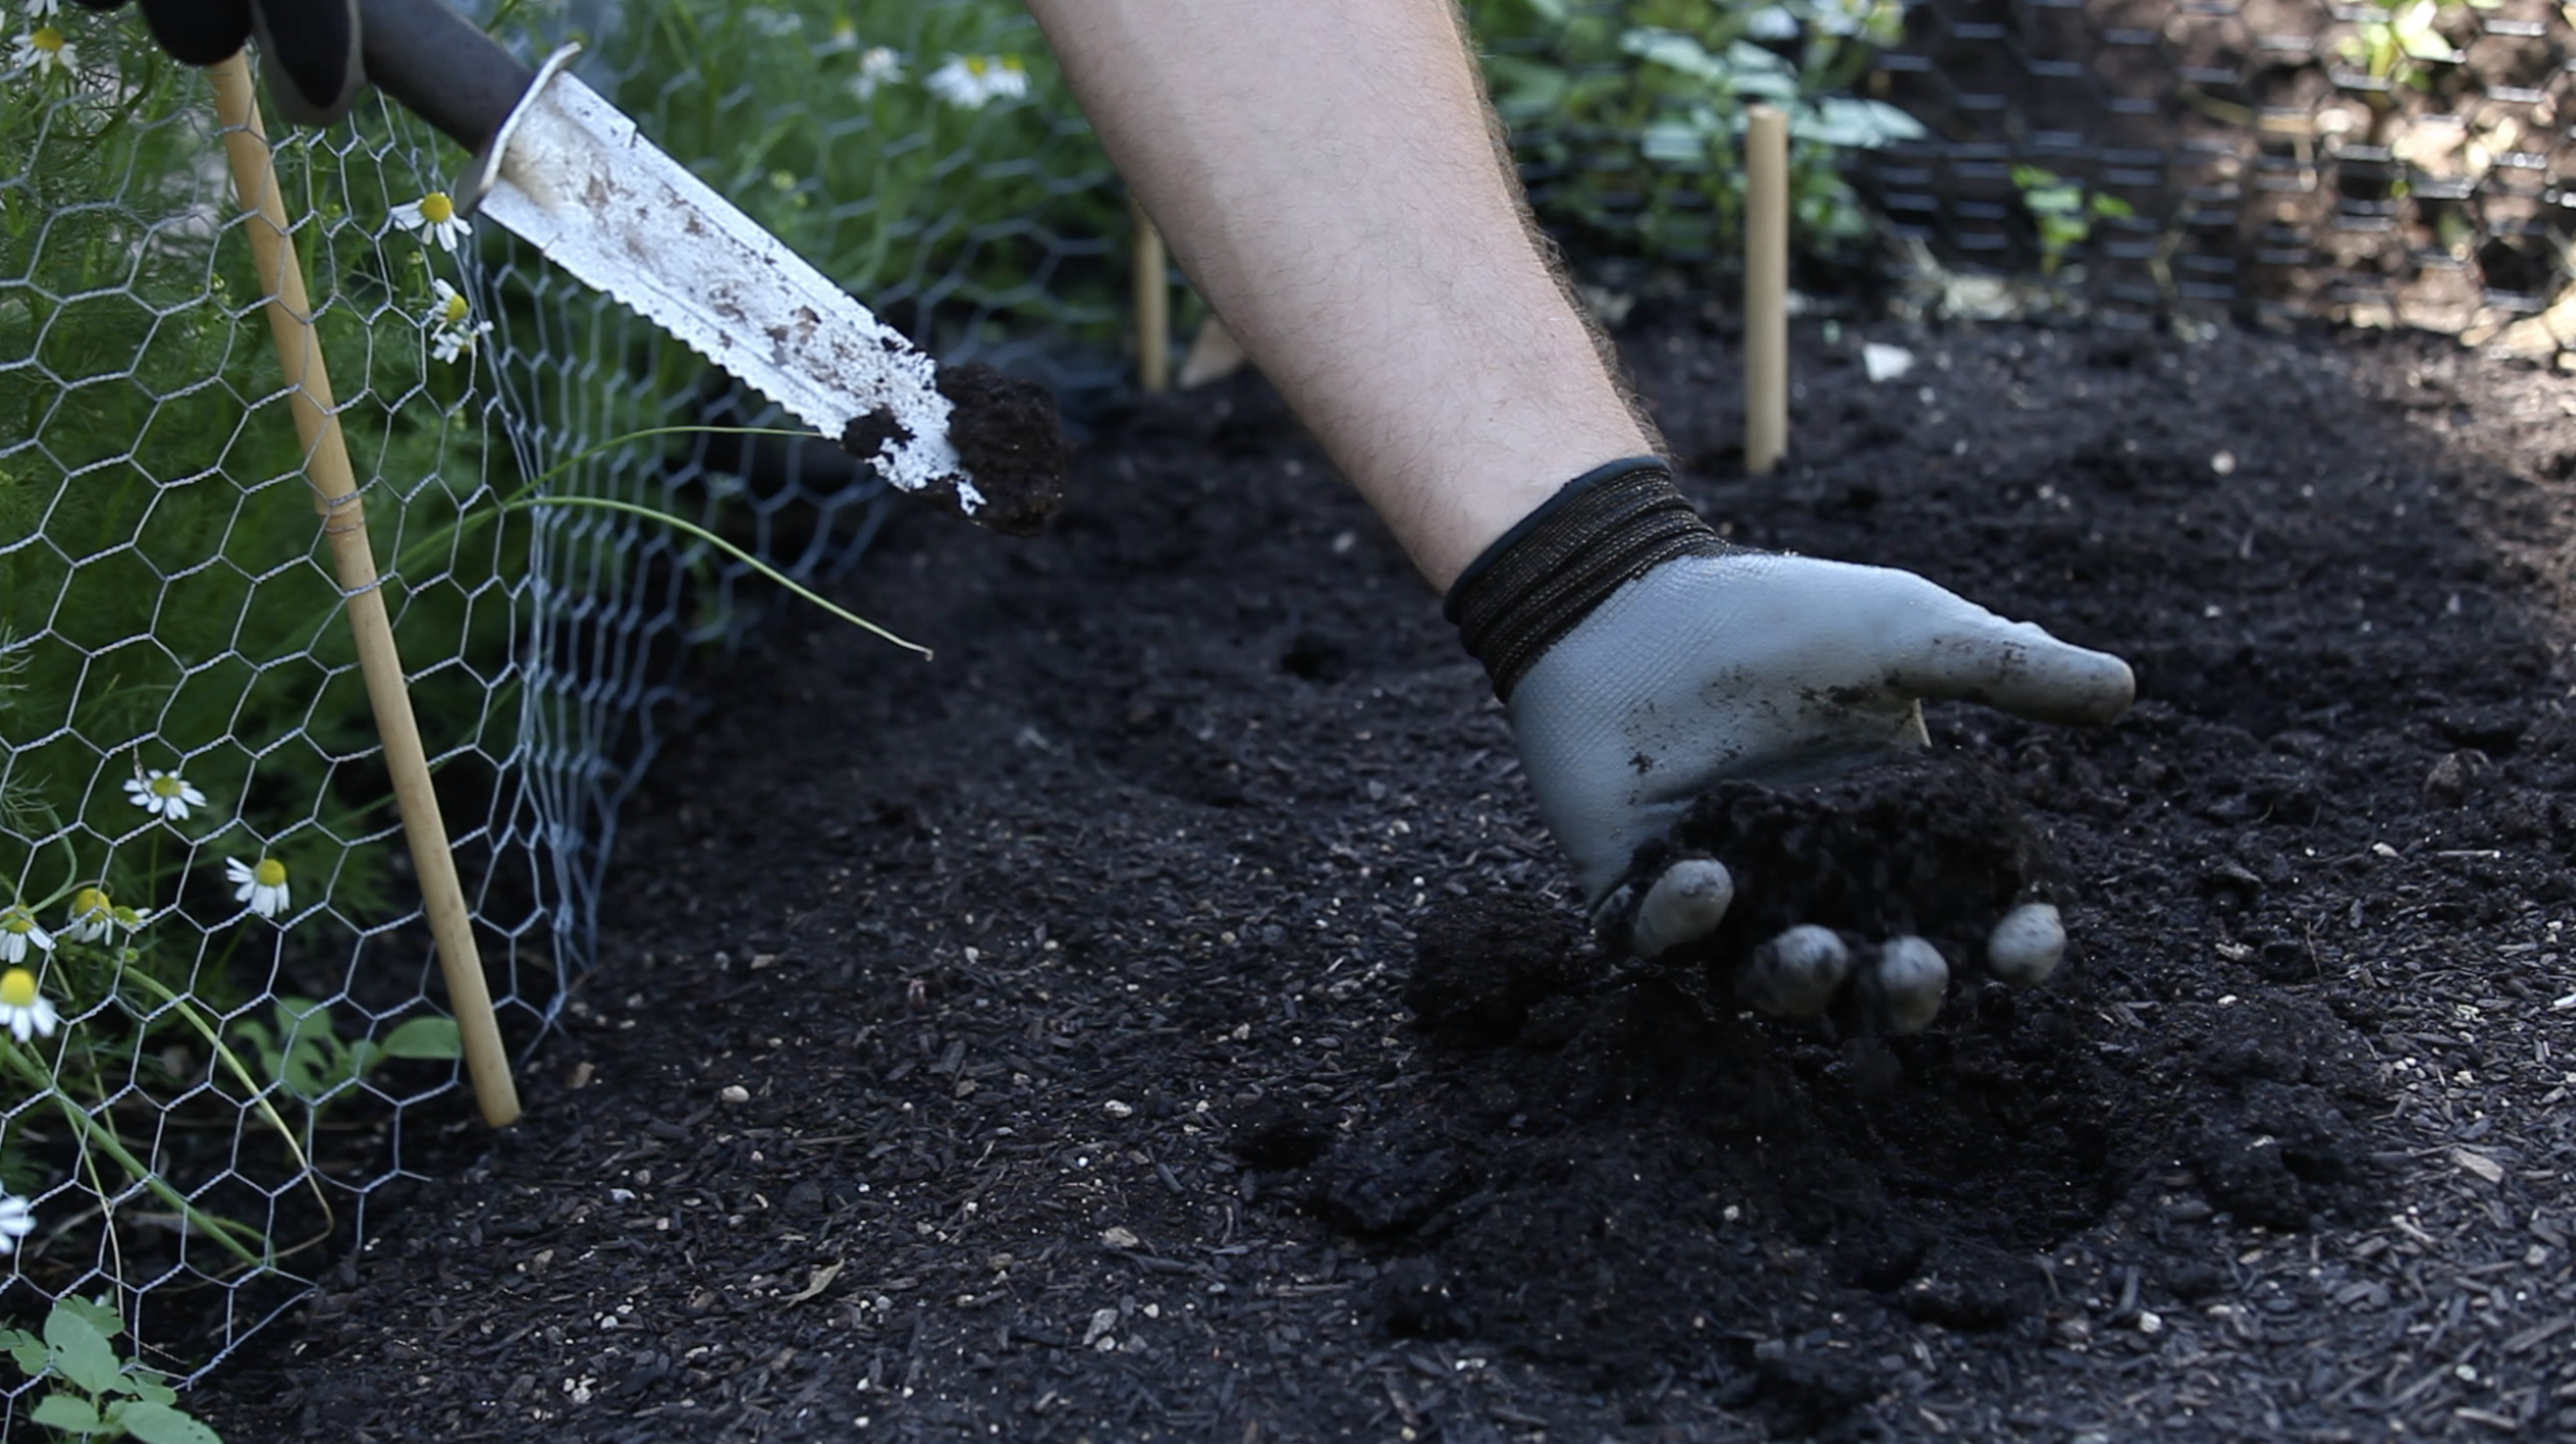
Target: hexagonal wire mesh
x: 241, y: 1058
x: 2131, y: 162
x: 205, y: 875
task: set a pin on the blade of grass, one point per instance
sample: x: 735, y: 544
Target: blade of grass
x: 105, y: 1140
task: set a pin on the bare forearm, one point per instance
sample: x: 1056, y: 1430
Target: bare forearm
x: 1324, y: 171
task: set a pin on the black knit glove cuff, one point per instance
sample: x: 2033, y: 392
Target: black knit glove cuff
x: 1604, y: 529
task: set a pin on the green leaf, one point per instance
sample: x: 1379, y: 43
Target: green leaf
x: 1745, y: 58
x: 155, y: 1423
x: 2054, y: 201
x: 301, y: 1072
x: 102, y: 1316
x: 1857, y: 124
x: 29, y: 1352
x: 435, y: 1039
x: 262, y: 1042
x: 71, y: 1414
x: 1672, y: 142
x: 299, y: 1019
x: 1678, y: 52
x: 82, y: 1354
x: 1526, y: 88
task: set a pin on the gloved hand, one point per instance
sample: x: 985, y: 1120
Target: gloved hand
x: 308, y: 48
x: 1641, y: 660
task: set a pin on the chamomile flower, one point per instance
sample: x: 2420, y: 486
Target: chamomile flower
x: 19, y: 935
x: 262, y: 886
x: 878, y: 68
x: 970, y: 82
x: 43, y: 49
x: 164, y: 794
x: 17, y: 1220
x: 25, y: 1012
x: 843, y: 39
x: 453, y: 331
x: 92, y: 916
x: 434, y: 215
x: 452, y: 346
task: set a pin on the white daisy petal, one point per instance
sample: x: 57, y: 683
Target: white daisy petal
x: 19, y: 934
x: 24, y: 1011
x: 165, y: 795
x: 261, y: 886
x: 17, y: 1220
x: 92, y: 915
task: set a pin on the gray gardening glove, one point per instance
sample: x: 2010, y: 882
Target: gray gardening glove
x: 1642, y: 660
x: 308, y: 49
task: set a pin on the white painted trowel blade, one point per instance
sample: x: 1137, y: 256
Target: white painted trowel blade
x: 579, y: 183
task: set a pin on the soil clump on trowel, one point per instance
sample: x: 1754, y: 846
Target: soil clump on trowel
x: 1008, y: 436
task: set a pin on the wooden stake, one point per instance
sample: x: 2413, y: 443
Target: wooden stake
x: 1153, y: 304
x: 344, y: 522
x: 1766, y: 288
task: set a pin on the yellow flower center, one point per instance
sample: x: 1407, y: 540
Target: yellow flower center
x: 269, y: 873
x: 166, y: 784
x: 455, y: 309
x: 90, y: 902
x: 16, y: 920
x: 47, y: 39
x: 437, y: 209
x: 975, y: 66
x: 17, y: 988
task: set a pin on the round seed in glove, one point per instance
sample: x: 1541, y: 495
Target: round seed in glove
x: 1866, y: 889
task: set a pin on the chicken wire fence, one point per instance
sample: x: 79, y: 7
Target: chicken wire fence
x: 2124, y: 162
x: 223, y: 1031
x: 220, y: 1024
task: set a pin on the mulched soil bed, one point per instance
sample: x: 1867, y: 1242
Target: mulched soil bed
x: 1161, y: 1016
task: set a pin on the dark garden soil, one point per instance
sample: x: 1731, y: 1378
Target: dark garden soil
x: 1162, y: 1018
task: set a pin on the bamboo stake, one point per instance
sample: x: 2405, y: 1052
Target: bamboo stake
x: 1153, y: 304
x: 1766, y: 288
x: 344, y: 523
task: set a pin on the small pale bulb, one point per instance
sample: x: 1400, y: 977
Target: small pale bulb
x: 1685, y: 904
x: 1795, y: 974
x: 2025, y: 946
x: 1905, y: 984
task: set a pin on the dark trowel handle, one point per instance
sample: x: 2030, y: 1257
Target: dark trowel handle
x: 441, y: 68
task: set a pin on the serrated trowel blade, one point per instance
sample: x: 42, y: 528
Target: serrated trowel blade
x: 582, y: 185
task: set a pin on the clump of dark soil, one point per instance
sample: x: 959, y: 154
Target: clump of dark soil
x: 1164, y: 1017
x: 1008, y: 435
x: 1938, y: 847
x: 1479, y: 972
x: 1009, y: 438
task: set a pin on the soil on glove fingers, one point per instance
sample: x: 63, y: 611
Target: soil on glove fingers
x: 1162, y: 1016
x: 1937, y: 847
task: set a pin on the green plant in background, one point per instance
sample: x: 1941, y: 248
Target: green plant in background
x: 2399, y: 41
x: 897, y: 146
x: 182, y: 725
x: 926, y: 157
x: 1627, y: 113
x: 2063, y: 212
x: 91, y: 1392
x: 304, y: 1054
